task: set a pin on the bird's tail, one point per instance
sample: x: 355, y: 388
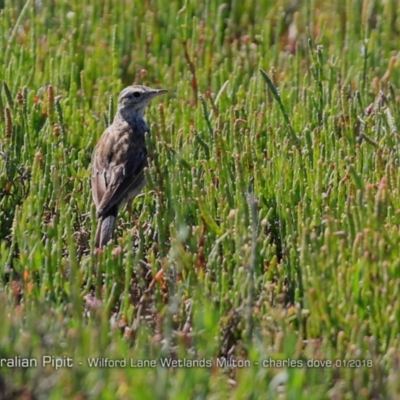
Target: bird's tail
x: 105, y: 228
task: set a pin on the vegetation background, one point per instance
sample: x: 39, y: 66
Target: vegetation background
x: 269, y: 229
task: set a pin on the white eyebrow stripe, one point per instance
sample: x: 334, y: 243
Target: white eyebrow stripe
x: 130, y: 89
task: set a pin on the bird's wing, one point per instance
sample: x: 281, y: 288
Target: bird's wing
x: 123, y: 178
x: 99, y: 184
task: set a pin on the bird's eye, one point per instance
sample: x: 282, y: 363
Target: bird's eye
x: 136, y: 94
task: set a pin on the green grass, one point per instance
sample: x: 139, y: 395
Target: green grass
x: 272, y: 203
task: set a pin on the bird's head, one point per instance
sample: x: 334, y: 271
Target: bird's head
x: 134, y: 99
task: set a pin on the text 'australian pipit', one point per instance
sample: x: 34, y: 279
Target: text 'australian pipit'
x: 119, y: 159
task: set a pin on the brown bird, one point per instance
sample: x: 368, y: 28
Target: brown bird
x: 119, y: 159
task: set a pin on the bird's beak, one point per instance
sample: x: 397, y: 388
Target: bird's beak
x: 157, y: 92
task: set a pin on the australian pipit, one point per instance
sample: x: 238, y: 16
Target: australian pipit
x: 119, y: 159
